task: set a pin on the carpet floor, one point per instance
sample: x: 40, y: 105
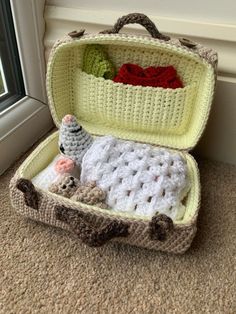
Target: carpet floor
x: 46, y: 270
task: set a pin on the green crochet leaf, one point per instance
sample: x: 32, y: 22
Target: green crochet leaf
x: 97, y: 63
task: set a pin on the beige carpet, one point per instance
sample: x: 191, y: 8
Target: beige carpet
x: 45, y: 270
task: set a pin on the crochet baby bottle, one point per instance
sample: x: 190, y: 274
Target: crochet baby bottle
x: 74, y: 141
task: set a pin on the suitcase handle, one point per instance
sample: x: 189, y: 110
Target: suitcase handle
x: 136, y: 18
x: 87, y: 233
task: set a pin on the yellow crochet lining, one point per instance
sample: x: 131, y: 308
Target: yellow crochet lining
x: 166, y: 117
x: 48, y: 149
x: 170, y: 118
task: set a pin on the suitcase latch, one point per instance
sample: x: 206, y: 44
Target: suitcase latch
x: 187, y: 42
x: 77, y: 34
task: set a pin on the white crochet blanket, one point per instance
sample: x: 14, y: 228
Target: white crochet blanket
x: 138, y: 178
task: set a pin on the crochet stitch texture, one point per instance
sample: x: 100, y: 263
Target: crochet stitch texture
x: 161, y: 76
x: 58, y: 166
x: 97, y: 63
x: 90, y: 194
x: 65, y: 185
x: 70, y: 187
x: 137, y: 178
x: 73, y: 139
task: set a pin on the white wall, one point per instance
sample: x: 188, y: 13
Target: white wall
x: 200, y: 10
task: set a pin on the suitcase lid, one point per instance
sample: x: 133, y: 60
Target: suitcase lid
x: 173, y: 118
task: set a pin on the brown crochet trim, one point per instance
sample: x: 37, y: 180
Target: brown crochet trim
x: 138, y: 18
x: 159, y: 227
x: 77, y: 34
x: 31, y: 196
x: 87, y: 233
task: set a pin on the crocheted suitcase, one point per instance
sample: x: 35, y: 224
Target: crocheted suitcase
x: 172, y: 118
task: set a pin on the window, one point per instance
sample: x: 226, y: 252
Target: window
x: 11, y: 81
x: 24, y: 113
x: 3, y: 83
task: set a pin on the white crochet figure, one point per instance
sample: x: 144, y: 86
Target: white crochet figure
x: 73, y: 139
x: 137, y: 178
x: 54, y: 170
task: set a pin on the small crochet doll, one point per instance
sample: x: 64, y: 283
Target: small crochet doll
x: 97, y: 63
x: 90, y: 194
x: 54, y: 171
x: 66, y: 185
x: 74, y: 141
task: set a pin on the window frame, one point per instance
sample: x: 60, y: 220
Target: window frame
x: 10, y: 63
x: 30, y: 112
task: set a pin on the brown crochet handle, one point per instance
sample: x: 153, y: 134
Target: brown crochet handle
x: 86, y: 232
x: 136, y: 18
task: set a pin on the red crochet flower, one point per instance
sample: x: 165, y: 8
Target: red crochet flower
x: 133, y: 74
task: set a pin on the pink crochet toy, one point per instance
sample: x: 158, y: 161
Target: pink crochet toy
x: 59, y: 166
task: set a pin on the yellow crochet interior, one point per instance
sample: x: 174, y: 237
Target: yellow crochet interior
x: 168, y: 117
x: 40, y: 158
x: 165, y: 117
